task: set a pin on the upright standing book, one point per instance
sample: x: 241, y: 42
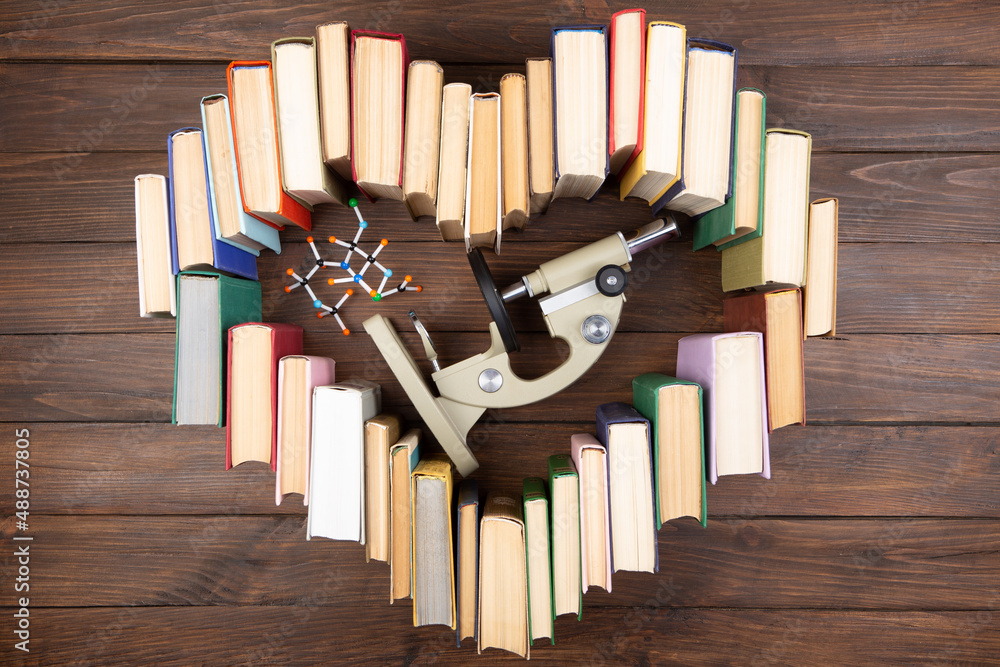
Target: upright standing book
x: 157, y: 286
x: 255, y: 349
x: 821, y: 269
x: 403, y: 458
x: 258, y: 159
x: 503, y: 586
x: 433, y: 545
x: 738, y: 220
x: 334, y: 74
x: 424, y: 92
x: 483, y: 194
x: 192, y: 223
x: 467, y: 548
x: 296, y: 101
x: 514, y: 151
x: 591, y: 461
x: 453, y: 161
x: 674, y: 409
x: 729, y: 368
x: 626, y: 435
x: 381, y: 434
x: 539, y: 559
x: 378, y: 83
x: 655, y: 171
x: 709, y: 116
x: 627, y: 83
x: 778, y: 315
x: 298, y: 375
x: 538, y: 78
x: 232, y: 223
x: 337, y: 470
x: 564, y: 487
x: 208, y: 304
x: 580, y: 101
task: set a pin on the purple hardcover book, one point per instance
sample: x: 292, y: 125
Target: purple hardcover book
x: 623, y: 413
x: 698, y: 360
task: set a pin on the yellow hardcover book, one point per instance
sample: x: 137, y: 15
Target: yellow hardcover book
x: 663, y: 112
x: 432, y: 543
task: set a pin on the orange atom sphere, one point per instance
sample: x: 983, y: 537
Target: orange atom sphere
x: 309, y: 239
x: 347, y: 332
x: 333, y: 239
x: 287, y: 288
x: 350, y: 292
x: 289, y: 272
x: 419, y: 288
x: 408, y: 278
x: 385, y: 241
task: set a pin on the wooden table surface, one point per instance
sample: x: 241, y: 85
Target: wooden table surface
x: 877, y: 540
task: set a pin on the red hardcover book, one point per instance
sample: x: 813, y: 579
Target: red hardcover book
x: 263, y: 147
x: 279, y: 340
x: 624, y: 45
x: 355, y: 34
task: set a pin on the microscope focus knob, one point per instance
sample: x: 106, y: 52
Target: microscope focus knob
x: 611, y: 280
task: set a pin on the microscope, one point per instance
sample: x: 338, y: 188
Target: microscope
x: 581, y: 296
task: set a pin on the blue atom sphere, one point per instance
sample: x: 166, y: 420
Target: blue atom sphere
x: 363, y: 224
x: 352, y: 202
x: 357, y: 278
x: 343, y: 265
x: 317, y: 303
x: 388, y: 273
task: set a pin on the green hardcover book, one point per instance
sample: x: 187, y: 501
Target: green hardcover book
x: 675, y: 409
x: 777, y: 258
x: 738, y: 220
x: 567, y: 563
x: 538, y: 547
x: 208, y: 304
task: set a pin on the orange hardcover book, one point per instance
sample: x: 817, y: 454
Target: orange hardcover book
x: 258, y: 162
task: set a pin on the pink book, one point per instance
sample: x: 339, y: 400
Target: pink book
x: 592, y: 528
x: 725, y: 365
x: 318, y: 371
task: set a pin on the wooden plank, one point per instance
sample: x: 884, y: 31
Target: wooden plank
x: 883, y: 288
x: 886, y: 197
x: 769, y: 32
x: 83, y: 108
x: 651, y: 633
x: 851, y: 471
x: 861, y: 378
x: 763, y: 563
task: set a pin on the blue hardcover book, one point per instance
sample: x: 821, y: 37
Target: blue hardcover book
x: 247, y: 233
x: 190, y: 209
x: 627, y: 468
x: 467, y: 587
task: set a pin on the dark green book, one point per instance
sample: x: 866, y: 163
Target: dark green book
x: 538, y: 548
x: 567, y: 564
x: 674, y: 407
x: 208, y: 304
x: 736, y: 221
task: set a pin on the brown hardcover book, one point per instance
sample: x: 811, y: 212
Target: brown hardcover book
x: 424, y: 86
x: 482, y: 195
x: 820, y: 293
x: 381, y: 433
x: 503, y: 579
x: 778, y: 315
x: 454, y: 161
x: 514, y: 150
x: 538, y: 75
x: 403, y: 458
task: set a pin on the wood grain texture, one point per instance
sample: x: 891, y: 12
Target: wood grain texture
x: 265, y: 560
x: 605, y: 636
x: 769, y: 31
x: 916, y: 378
x: 949, y: 471
x: 884, y: 197
x: 82, y: 108
x: 883, y: 288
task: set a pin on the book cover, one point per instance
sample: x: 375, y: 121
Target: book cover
x: 239, y: 302
x: 614, y: 42
x: 403, y: 458
x: 468, y: 494
x: 289, y: 209
x: 251, y: 227
x: 435, y: 467
x: 603, y: 30
x: 561, y: 465
x: 538, y: 77
x: 286, y: 339
x: 815, y: 265
x: 354, y: 105
x: 165, y: 272
x: 579, y: 443
x: 470, y: 169
x: 334, y: 79
x: 696, y: 361
x: 759, y: 311
x: 533, y: 491
x: 645, y: 398
x: 503, y: 571
x: 225, y: 258
x: 623, y: 413
x: 720, y: 223
x: 319, y: 371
